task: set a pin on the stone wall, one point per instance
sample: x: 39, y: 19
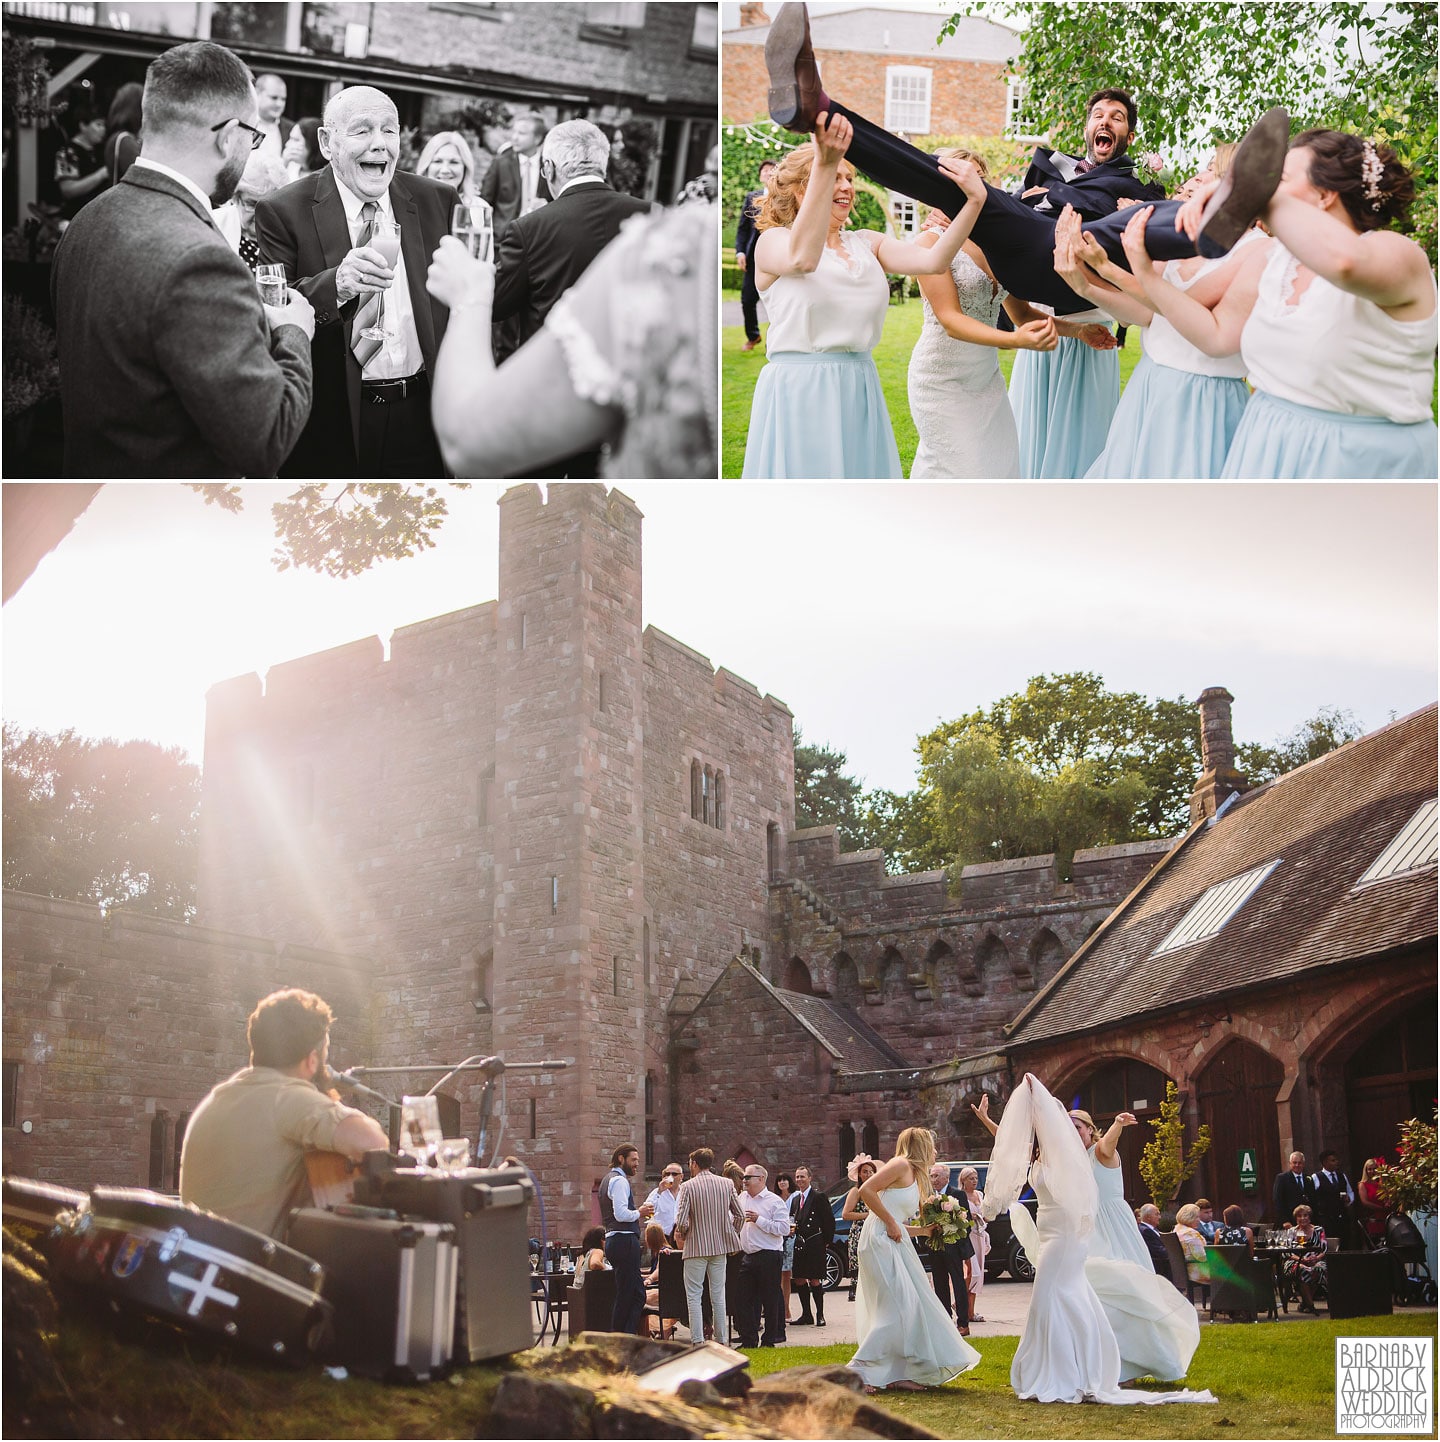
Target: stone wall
x: 118, y: 1026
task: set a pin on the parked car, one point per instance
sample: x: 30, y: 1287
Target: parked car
x: 1005, y: 1255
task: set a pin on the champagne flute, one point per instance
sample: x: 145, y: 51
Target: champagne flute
x: 473, y: 222
x: 274, y: 288
x: 384, y: 237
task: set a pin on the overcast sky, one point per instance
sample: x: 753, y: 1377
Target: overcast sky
x: 873, y: 611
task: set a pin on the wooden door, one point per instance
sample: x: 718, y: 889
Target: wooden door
x: 1235, y: 1096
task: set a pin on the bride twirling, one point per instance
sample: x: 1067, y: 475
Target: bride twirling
x: 1068, y: 1351
x: 907, y: 1339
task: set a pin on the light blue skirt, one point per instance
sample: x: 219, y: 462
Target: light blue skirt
x: 820, y: 415
x: 1171, y: 424
x: 1279, y: 440
x: 1064, y: 400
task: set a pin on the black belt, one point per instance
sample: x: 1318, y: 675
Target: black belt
x: 384, y: 393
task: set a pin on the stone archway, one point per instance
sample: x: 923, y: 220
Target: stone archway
x: 797, y: 978
x: 846, y: 984
x: 1123, y: 1084
x: 1235, y: 1095
x: 1389, y: 1076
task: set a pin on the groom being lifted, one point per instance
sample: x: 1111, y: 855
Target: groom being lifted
x: 1017, y: 233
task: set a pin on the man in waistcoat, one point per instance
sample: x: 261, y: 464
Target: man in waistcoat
x: 623, y: 1219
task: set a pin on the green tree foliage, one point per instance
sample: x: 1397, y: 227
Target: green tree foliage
x: 105, y: 821
x: 1327, y: 729
x: 1163, y: 1163
x: 1409, y: 1184
x: 1202, y: 70
x: 826, y: 795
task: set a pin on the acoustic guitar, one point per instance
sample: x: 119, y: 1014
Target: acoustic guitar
x: 332, y: 1178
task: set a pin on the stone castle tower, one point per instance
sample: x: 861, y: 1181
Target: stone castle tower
x: 535, y: 820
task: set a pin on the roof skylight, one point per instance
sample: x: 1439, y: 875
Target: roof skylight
x: 1218, y: 904
x: 1414, y: 849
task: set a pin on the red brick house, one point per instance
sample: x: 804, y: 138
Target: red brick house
x: 1279, y: 965
x: 886, y: 63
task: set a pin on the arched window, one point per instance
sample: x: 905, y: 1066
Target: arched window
x: 847, y: 1143
x: 707, y: 784
x: 870, y: 1139
x: 695, y: 789
x: 772, y: 850
x: 159, y: 1136
x: 720, y: 799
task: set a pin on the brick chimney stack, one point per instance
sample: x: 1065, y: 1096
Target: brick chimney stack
x: 753, y: 13
x: 1219, y: 779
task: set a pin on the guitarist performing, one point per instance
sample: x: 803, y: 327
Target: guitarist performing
x: 245, y: 1150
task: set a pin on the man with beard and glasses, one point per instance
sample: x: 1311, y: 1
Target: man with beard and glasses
x: 377, y: 330
x: 169, y: 363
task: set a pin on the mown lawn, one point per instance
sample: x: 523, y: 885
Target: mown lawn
x: 738, y: 372
x: 1271, y: 1379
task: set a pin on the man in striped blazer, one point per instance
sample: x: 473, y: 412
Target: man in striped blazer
x: 707, y: 1224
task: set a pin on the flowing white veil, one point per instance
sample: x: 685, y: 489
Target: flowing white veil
x: 1033, y: 1114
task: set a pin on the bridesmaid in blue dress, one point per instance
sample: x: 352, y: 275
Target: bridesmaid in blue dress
x: 1336, y: 321
x: 818, y: 409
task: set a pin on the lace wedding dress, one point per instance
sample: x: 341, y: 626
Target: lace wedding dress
x: 957, y: 394
x: 905, y: 1333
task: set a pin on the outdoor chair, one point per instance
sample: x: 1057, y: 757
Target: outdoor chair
x: 1176, y: 1254
x: 1239, y: 1283
x: 592, y: 1302
x: 673, y: 1305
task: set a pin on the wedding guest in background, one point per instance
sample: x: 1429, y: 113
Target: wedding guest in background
x: 80, y: 172
x: 447, y: 157
x: 235, y: 220
x: 122, y: 130
x: 270, y: 93
x: 745, y: 237
x: 663, y: 1197
x: 302, y: 151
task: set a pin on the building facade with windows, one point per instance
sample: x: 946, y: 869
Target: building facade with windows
x: 652, y: 66
x: 891, y: 65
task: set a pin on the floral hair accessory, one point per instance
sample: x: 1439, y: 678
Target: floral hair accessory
x: 1372, y: 172
x: 856, y: 1162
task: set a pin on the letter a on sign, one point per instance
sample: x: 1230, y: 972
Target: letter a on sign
x: 1248, y: 1179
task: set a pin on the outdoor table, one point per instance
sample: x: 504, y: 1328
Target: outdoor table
x: 549, y: 1292
x: 1276, y: 1257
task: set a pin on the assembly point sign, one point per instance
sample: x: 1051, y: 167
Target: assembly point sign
x: 1384, y: 1385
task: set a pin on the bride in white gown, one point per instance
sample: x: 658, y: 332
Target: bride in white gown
x: 1068, y: 1352
x: 907, y: 1340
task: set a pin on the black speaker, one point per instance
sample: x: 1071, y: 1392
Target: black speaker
x: 1360, y: 1284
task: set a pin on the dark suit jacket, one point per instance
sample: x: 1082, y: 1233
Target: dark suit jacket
x: 1330, y: 1204
x: 501, y: 187
x: 168, y: 366
x: 964, y: 1248
x: 814, y: 1231
x: 1159, y: 1257
x: 544, y: 253
x: 1094, y: 193
x: 303, y: 228
x: 745, y: 233
x: 1288, y: 1193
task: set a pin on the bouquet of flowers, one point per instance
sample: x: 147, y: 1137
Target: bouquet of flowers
x: 950, y: 1220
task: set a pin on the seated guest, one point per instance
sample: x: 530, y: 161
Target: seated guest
x: 1148, y: 1218
x: 244, y: 1150
x: 447, y: 158
x: 1207, y: 1223
x: 593, y: 1251
x: 1305, y: 1268
x: 1233, y: 1231
x: 1192, y: 1243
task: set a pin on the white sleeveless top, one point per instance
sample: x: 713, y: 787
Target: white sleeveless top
x: 838, y: 306
x: 1334, y: 351
x: 1167, y: 347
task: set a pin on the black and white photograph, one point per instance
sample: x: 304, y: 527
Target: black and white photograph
x: 388, y: 241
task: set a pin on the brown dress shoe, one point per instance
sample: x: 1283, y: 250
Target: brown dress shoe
x: 1248, y: 185
x: 795, y: 94
x: 750, y: 345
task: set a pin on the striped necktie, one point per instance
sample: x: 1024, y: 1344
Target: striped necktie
x: 372, y: 309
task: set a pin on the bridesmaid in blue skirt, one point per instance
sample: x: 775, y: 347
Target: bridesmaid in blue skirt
x: 818, y: 409
x: 1336, y: 321
x: 1182, y: 407
x: 1064, y: 399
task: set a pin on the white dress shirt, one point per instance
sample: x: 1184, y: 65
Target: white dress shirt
x: 529, y: 178
x: 664, y: 1203
x: 771, y: 1226
x: 401, y: 356
x: 620, y: 1194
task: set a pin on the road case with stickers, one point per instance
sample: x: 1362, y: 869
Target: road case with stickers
x: 31, y: 1209
x: 156, y: 1255
x: 392, y: 1285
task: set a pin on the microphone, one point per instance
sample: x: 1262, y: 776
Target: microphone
x: 345, y: 1079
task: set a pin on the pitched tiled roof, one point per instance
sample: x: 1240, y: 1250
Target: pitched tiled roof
x: 856, y: 1045
x: 1325, y: 822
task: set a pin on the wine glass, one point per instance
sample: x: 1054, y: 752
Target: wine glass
x: 274, y: 288
x: 453, y: 1154
x: 420, y: 1133
x: 384, y: 237
x: 473, y: 222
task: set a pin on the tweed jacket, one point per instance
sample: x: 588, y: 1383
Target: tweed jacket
x: 303, y: 227
x: 709, y: 1213
x: 168, y: 365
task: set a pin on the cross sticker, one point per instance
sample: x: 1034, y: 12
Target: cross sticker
x: 205, y: 1289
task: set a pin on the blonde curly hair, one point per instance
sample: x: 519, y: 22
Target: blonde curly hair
x: 787, y: 187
